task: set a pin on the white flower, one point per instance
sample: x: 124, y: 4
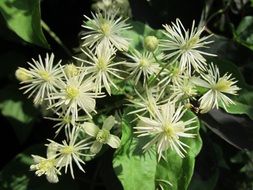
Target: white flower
x: 166, y: 129
x: 185, y: 45
x: 76, y: 93
x: 46, y: 166
x: 71, y: 151
x: 146, y: 104
x: 105, y: 29
x: 172, y: 74
x: 103, y: 135
x: 183, y: 90
x: 119, y: 7
x: 218, y: 87
x: 144, y: 64
x: 65, y: 122
x: 102, y: 68
x: 44, y: 78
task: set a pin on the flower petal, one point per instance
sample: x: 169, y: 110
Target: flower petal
x: 52, y: 177
x: 96, y: 147
x: 113, y: 141
x: 108, y: 123
x: 90, y: 128
x: 52, y: 149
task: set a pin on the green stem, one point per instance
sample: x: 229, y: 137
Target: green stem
x: 163, y: 67
x: 220, y: 11
x: 55, y: 37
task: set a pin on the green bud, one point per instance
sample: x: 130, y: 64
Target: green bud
x: 151, y: 43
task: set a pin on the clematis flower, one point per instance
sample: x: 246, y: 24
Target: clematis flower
x: 102, y: 68
x: 218, y: 88
x: 71, y: 151
x: 185, y: 46
x: 166, y: 129
x: 102, y: 136
x: 43, y: 79
x: 105, y: 29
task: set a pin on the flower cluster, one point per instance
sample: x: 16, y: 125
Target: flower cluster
x: 165, y: 75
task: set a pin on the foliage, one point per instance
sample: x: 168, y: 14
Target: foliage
x: 205, y: 164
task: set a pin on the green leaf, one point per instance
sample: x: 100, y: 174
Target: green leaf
x: 19, y: 111
x: 16, y: 175
x: 133, y: 168
x: 178, y: 171
x: 23, y: 17
x: 138, y: 32
x: 209, y: 184
x: 244, y: 32
x: 136, y: 169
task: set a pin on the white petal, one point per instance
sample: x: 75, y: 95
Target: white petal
x: 52, y: 177
x: 37, y: 159
x: 96, y: 147
x: 113, y: 141
x: 51, y: 150
x: 108, y: 123
x: 90, y: 128
x: 200, y: 82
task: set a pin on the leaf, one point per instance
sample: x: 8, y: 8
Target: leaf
x: 19, y: 111
x: 138, y: 32
x: 133, y: 168
x: 209, y: 184
x: 244, y: 32
x: 16, y: 175
x: 235, y: 130
x: 178, y: 171
x: 136, y: 169
x: 23, y: 17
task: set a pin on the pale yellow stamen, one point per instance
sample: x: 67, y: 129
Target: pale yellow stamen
x: 144, y: 62
x: 222, y: 85
x: 72, y: 92
x: 169, y: 131
x: 67, y: 150
x: 103, y: 136
x: 46, y: 165
x: 106, y: 28
x: 190, y: 43
x: 101, y: 64
x: 67, y: 119
x: 44, y: 75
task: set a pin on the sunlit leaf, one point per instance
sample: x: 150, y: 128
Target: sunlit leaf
x: 23, y: 17
x: 244, y: 32
x: 18, y: 111
x: 136, y: 169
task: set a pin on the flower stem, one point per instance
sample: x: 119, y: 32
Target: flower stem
x: 55, y: 37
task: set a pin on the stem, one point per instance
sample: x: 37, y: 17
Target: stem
x: 163, y: 67
x: 55, y: 37
x: 220, y: 11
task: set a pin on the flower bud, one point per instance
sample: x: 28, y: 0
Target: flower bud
x: 151, y: 43
x: 22, y: 74
x: 70, y: 70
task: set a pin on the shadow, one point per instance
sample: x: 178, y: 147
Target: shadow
x: 234, y: 129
